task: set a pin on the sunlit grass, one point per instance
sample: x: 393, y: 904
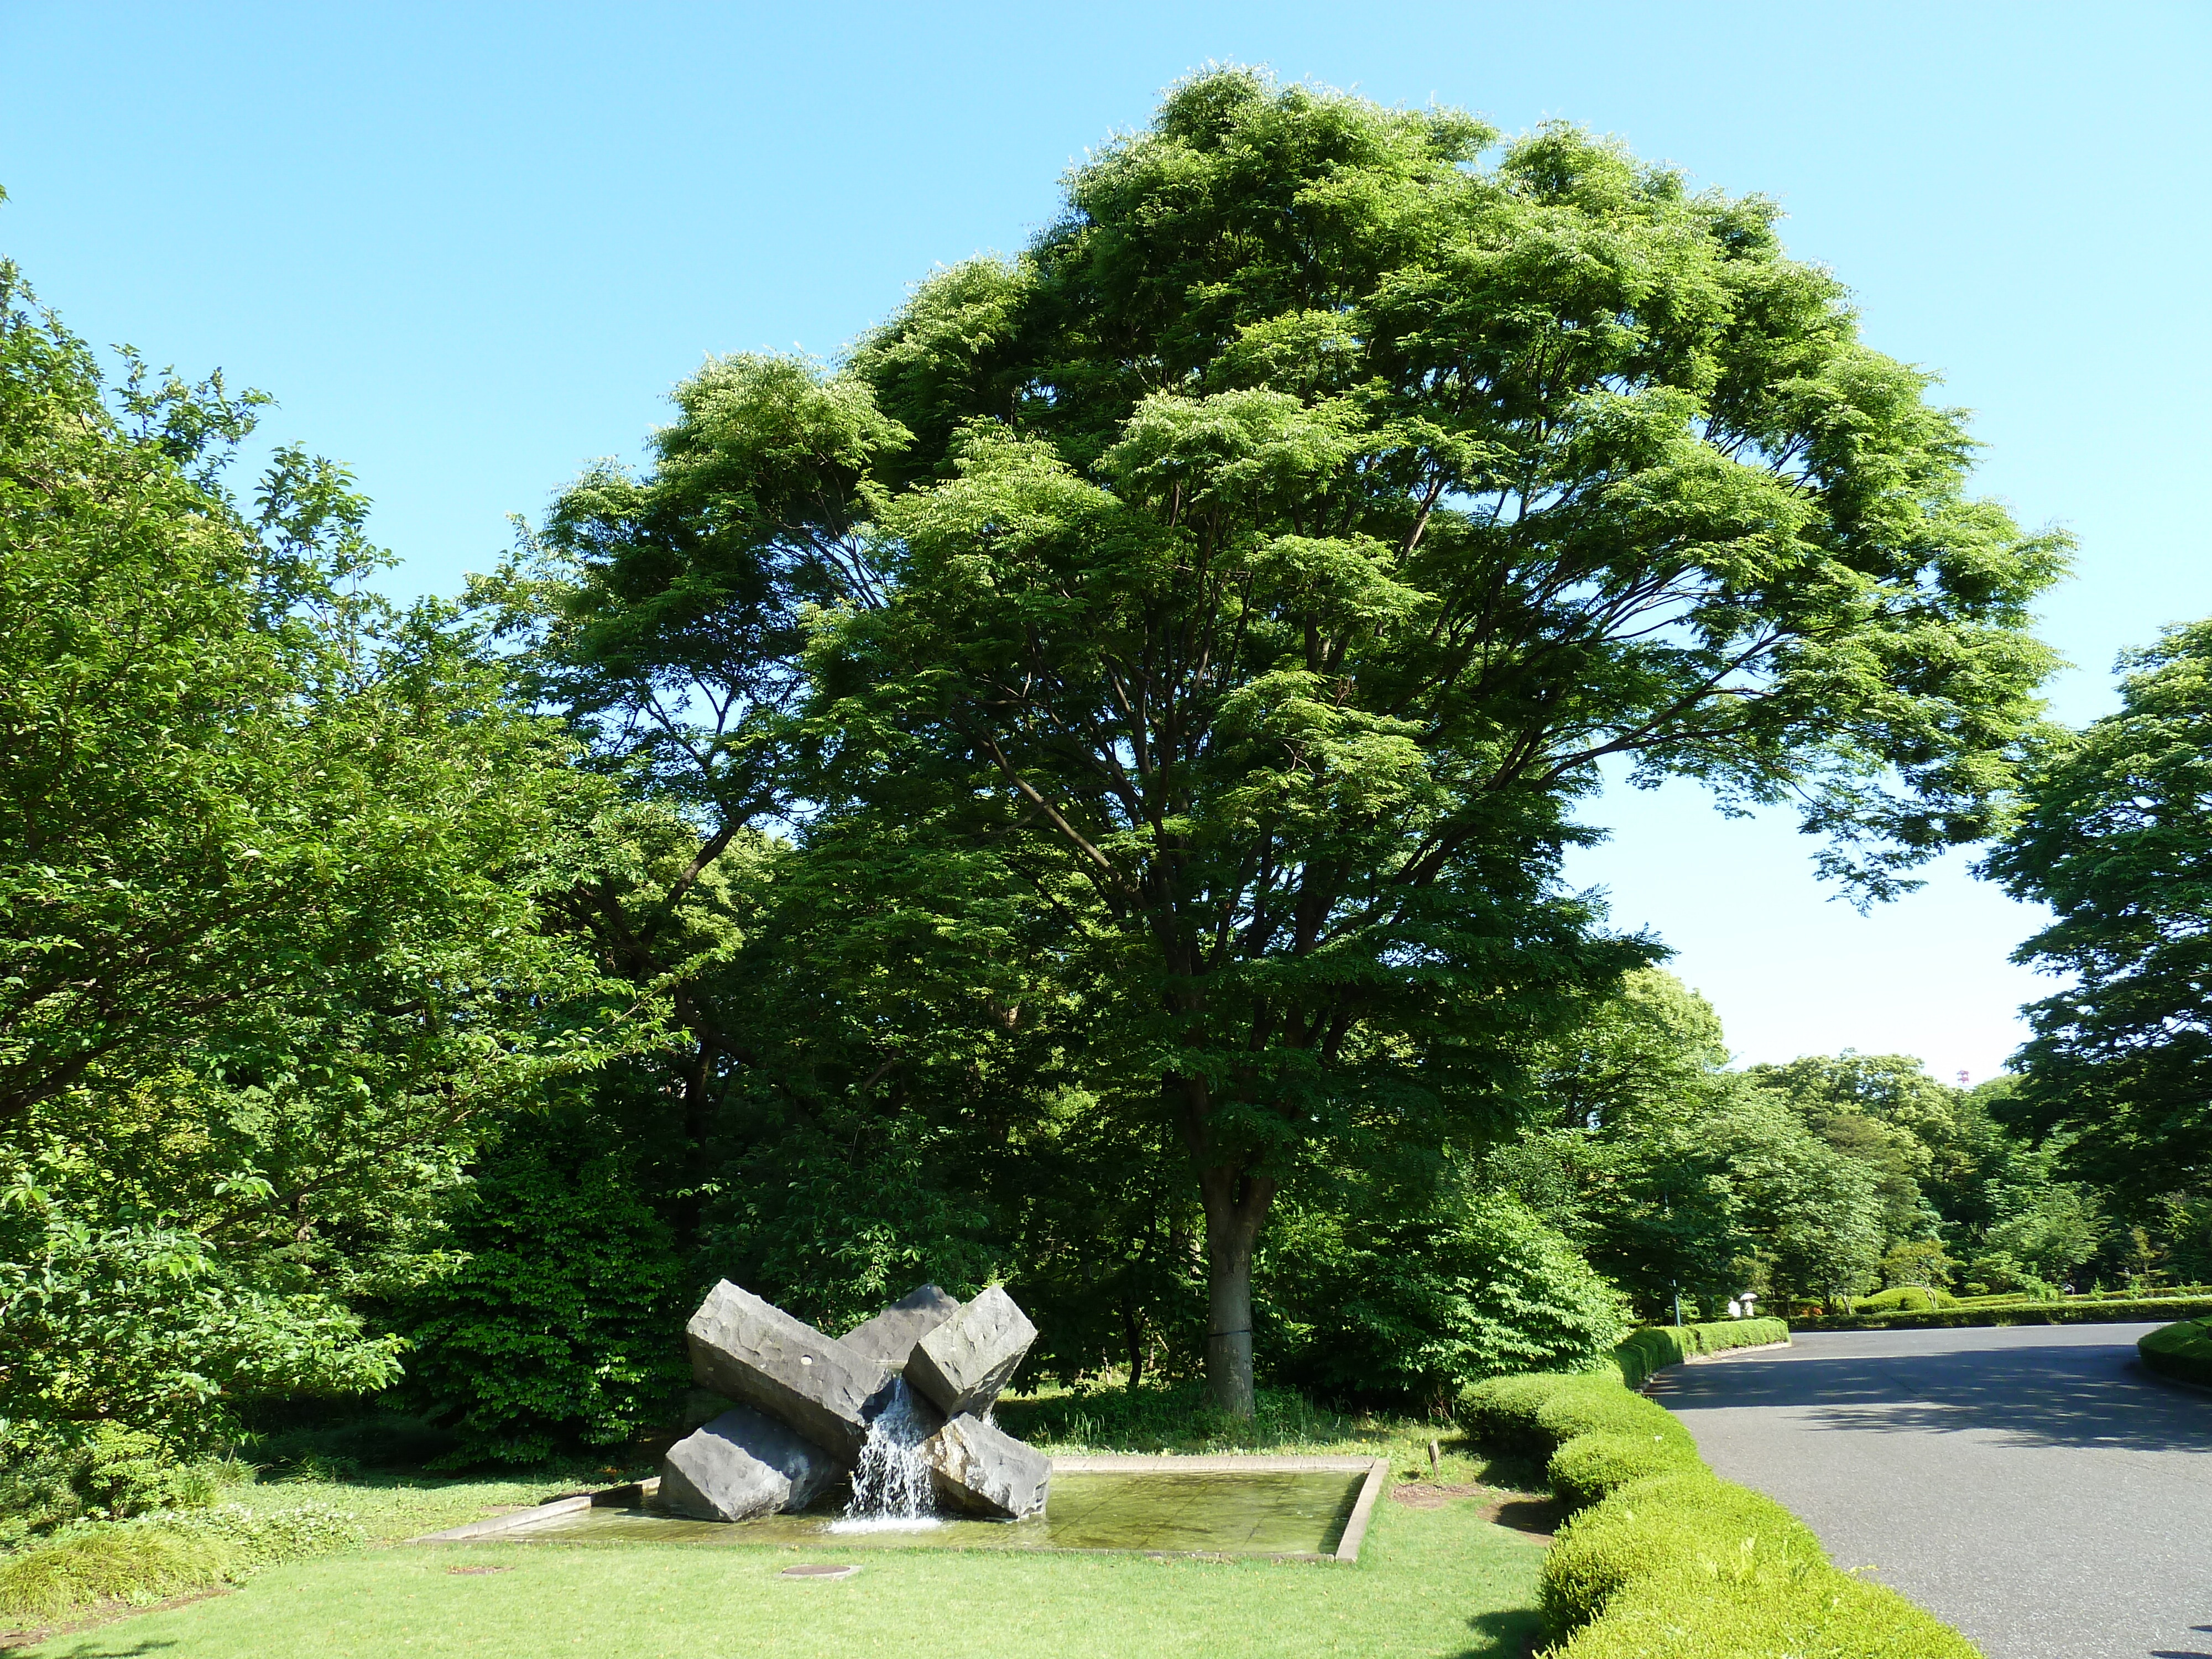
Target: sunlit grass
x: 1434, y: 1584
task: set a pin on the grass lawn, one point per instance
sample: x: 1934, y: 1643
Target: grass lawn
x: 1441, y: 1584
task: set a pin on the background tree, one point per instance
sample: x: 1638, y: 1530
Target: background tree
x: 1675, y: 1176
x: 269, y: 853
x: 2117, y: 1074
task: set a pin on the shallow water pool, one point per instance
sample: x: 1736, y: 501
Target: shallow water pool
x: 1254, y: 1512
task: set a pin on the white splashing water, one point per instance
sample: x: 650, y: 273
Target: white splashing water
x: 891, y: 1484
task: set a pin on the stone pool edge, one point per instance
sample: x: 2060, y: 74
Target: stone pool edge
x: 637, y: 1492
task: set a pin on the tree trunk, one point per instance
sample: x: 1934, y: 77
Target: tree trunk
x: 1133, y: 1330
x: 1235, y: 1205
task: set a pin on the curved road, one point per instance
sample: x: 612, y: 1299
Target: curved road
x: 2031, y: 1485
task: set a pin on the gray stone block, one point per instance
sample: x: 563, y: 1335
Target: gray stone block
x: 889, y: 1337
x: 740, y: 1465
x: 754, y: 1352
x: 962, y: 1364
x: 979, y: 1467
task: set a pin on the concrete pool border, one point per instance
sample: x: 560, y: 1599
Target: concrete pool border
x: 520, y: 1522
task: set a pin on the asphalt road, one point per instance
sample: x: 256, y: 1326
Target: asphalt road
x: 2031, y: 1485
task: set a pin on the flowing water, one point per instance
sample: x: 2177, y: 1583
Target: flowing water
x: 891, y: 1484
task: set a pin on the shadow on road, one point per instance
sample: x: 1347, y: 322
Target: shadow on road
x: 2058, y: 1394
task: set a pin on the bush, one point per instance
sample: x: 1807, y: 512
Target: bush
x: 1539, y: 1415
x: 130, y: 1563
x: 1753, y: 1607
x: 162, y: 1555
x: 2182, y: 1351
x: 1589, y: 1465
x: 110, y: 1473
x: 553, y: 1326
x: 1664, y: 1560
x: 1623, y: 1538
x: 1657, y: 1346
x: 1413, y: 1310
x: 2084, y: 1312
x: 1905, y: 1298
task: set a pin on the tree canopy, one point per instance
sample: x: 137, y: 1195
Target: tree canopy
x: 2114, y: 839
x: 269, y: 857
x: 1274, y: 550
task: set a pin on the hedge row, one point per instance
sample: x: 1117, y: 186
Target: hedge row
x: 1662, y: 1559
x: 1657, y: 1346
x: 2182, y: 1351
x: 2018, y: 1313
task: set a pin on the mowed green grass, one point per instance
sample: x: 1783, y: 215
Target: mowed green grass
x: 1439, y: 1585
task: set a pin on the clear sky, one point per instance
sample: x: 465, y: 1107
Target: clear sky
x: 469, y: 247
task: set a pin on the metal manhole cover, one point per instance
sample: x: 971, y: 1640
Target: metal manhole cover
x: 818, y: 1570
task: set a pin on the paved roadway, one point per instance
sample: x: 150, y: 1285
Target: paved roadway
x: 2031, y: 1485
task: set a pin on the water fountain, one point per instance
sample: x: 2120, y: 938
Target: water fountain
x: 899, y: 1409
x: 892, y: 1491
x: 900, y: 1403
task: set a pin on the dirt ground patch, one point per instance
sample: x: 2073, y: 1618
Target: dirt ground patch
x: 1526, y: 1512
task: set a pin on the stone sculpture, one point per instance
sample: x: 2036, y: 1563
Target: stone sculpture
x: 752, y: 1351
x: 961, y: 1366
x: 889, y: 1337
x: 979, y: 1466
x: 808, y: 1404
x: 740, y: 1465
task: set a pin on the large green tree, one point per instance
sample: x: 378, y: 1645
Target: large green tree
x: 2118, y: 1072
x: 270, y: 853
x: 1281, y: 544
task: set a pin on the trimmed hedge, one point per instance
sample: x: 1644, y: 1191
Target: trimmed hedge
x: 1661, y: 1559
x: 2019, y: 1313
x: 1657, y: 1346
x: 2182, y: 1351
x: 1905, y: 1298
x: 1719, y: 1610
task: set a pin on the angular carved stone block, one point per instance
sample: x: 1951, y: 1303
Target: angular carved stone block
x: 753, y: 1352
x: 889, y: 1337
x: 978, y: 1466
x: 740, y: 1465
x: 962, y: 1364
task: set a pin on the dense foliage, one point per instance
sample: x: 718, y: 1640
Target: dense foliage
x: 2118, y: 1076
x: 269, y: 852
x: 1415, y: 1309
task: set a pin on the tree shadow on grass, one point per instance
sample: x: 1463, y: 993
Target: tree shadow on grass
x: 1511, y: 1633
x: 2028, y: 1393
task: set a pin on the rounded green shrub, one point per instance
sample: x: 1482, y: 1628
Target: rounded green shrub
x: 2182, y: 1351
x: 1763, y: 1606
x: 1905, y: 1298
x: 1535, y: 1415
x: 1602, y: 1405
x: 1586, y: 1469
x: 1674, y: 1521
x: 1500, y: 1413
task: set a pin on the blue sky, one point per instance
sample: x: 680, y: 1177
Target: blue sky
x: 470, y: 247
